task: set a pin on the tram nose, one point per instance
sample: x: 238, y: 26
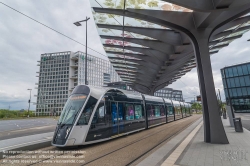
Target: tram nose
x: 61, y: 134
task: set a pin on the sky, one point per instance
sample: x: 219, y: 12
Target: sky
x: 23, y: 40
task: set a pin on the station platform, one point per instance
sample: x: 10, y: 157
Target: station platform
x: 30, y: 142
x: 189, y: 149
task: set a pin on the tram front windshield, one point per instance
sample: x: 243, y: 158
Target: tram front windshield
x: 71, y: 109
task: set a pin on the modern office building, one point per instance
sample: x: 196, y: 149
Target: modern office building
x: 236, y: 82
x: 168, y: 93
x: 60, y: 72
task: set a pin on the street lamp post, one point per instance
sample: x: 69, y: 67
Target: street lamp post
x: 78, y: 23
x: 29, y: 103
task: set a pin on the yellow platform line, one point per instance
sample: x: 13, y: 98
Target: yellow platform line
x: 178, y: 151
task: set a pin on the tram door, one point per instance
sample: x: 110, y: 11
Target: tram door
x: 117, y: 118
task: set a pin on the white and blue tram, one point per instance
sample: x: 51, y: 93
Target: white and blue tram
x: 95, y: 114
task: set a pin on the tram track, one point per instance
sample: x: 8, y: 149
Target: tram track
x: 131, y: 143
x: 159, y: 144
x: 128, y: 144
x: 104, y: 151
x: 145, y: 152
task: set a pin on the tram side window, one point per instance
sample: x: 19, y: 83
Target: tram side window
x: 181, y: 109
x: 99, y: 117
x: 138, y: 111
x: 99, y: 114
x: 189, y: 110
x: 162, y: 110
x: 157, y: 110
x: 130, y: 112
x: 108, y: 116
x: 186, y: 110
x: 170, y: 110
x: 101, y: 111
x: 177, y: 110
x: 150, y: 110
x: 88, y: 109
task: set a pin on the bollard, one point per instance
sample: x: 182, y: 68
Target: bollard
x: 224, y: 115
x: 238, y: 125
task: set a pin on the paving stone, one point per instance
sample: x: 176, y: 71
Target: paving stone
x: 216, y: 154
x: 169, y: 146
x: 199, y: 153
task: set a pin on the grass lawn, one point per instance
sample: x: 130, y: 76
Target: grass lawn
x: 52, y: 117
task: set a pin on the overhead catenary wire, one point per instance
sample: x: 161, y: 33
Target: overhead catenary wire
x: 50, y: 28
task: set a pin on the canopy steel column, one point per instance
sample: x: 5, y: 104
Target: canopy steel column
x: 213, y: 129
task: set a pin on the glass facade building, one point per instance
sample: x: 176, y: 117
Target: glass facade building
x: 236, y: 82
x: 60, y: 72
x: 168, y: 93
x: 100, y: 71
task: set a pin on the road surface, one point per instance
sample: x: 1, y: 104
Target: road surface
x: 23, y: 127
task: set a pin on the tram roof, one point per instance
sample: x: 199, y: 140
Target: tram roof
x: 97, y: 92
x: 176, y: 102
x: 167, y: 100
x: 153, y: 98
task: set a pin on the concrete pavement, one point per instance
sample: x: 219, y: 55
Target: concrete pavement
x: 235, y: 153
x: 198, y: 153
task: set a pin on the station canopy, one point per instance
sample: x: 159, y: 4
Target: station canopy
x: 149, y: 56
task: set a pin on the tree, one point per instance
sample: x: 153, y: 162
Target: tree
x: 223, y: 105
x: 199, y: 107
x: 196, y: 106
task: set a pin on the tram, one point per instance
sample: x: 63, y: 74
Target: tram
x: 94, y: 114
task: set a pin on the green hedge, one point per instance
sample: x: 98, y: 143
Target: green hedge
x: 14, y: 114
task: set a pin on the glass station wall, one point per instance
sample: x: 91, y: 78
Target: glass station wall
x: 236, y: 82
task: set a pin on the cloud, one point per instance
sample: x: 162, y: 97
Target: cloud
x: 22, y: 42
x: 243, y: 50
